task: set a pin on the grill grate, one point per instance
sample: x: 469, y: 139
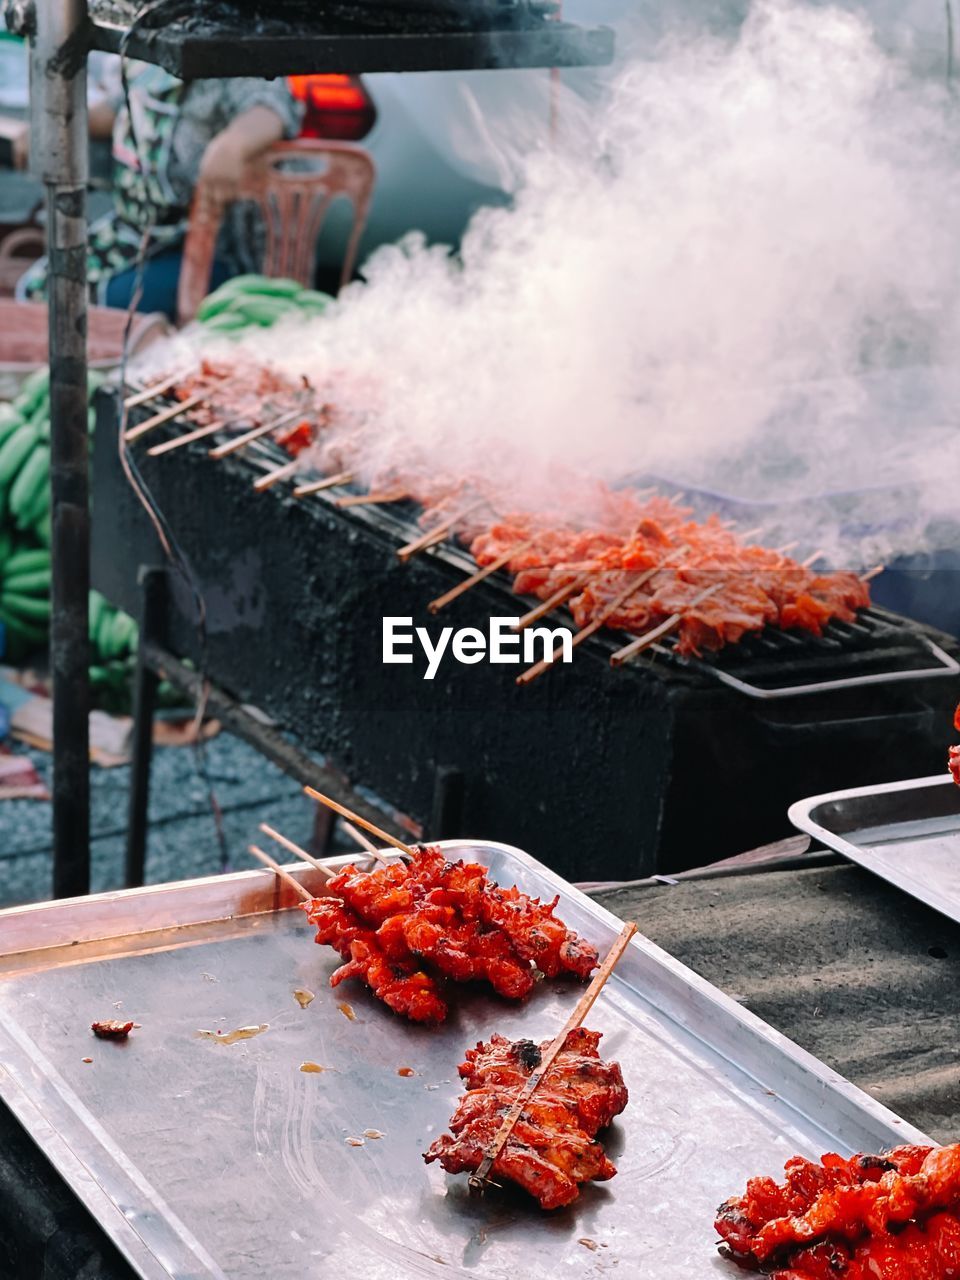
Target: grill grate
x: 879, y: 648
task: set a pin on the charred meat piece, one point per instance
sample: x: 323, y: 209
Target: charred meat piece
x: 954, y: 755
x: 111, y: 1029
x: 552, y: 1149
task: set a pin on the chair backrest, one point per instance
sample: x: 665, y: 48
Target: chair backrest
x: 294, y: 184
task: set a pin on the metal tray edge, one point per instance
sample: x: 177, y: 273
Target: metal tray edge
x: 52, y: 1142
x: 801, y: 813
x: 899, y: 1129
x: 688, y: 989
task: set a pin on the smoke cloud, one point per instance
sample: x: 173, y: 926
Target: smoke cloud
x: 742, y: 273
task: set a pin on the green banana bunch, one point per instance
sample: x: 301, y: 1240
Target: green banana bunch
x: 25, y: 566
x: 24, y: 596
x: 113, y: 633
x: 247, y: 301
x: 25, y: 455
x: 25, y: 609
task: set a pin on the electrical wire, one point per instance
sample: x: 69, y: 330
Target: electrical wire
x: 165, y: 535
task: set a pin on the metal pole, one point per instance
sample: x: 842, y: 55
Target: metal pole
x: 153, y: 584
x: 59, y: 146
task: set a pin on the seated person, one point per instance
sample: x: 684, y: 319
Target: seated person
x: 167, y: 134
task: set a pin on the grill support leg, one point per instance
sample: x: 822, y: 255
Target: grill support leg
x: 446, y: 821
x: 153, y: 597
x: 58, y: 68
x: 321, y: 840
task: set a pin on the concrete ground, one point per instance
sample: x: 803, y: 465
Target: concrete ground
x: 182, y: 840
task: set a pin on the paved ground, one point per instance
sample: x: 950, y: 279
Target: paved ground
x: 182, y: 838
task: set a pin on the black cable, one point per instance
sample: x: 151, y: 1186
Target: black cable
x: 141, y: 489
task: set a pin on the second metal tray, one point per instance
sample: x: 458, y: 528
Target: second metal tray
x: 906, y: 832
x: 226, y: 1160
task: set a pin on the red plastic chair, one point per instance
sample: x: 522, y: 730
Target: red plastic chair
x: 294, y: 183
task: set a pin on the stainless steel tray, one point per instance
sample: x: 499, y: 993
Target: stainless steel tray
x: 906, y: 832
x: 202, y: 1159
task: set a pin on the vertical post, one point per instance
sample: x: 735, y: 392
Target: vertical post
x: 60, y: 149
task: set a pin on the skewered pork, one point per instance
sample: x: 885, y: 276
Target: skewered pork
x: 395, y: 979
x: 552, y: 1148
x: 954, y: 755
x: 390, y: 922
x: 610, y: 537
x: 889, y: 1217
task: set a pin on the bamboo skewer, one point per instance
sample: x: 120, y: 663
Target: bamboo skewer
x: 295, y: 849
x: 371, y: 499
x: 320, y: 865
x: 155, y: 451
x: 558, y: 598
x: 651, y: 637
x: 285, y: 876
x: 357, y: 835
x: 283, y: 472
x: 355, y: 818
x: 157, y: 389
x: 872, y: 573
x: 812, y: 559
x: 442, y: 601
x: 241, y: 442
x: 479, y: 1178
x: 437, y: 533
x: 750, y: 533
x: 165, y: 415
x: 317, y: 486
x: 590, y: 629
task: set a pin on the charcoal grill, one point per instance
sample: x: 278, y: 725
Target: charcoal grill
x: 220, y: 38
x: 675, y: 762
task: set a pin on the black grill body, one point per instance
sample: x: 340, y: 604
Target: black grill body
x: 601, y: 773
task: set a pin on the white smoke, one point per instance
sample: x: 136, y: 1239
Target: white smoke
x: 743, y: 272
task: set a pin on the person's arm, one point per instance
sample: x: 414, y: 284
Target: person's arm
x: 100, y: 117
x: 244, y: 138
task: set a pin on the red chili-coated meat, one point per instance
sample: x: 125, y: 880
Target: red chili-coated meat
x: 552, y: 1148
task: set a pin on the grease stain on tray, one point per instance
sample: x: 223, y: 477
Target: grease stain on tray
x: 303, y: 997
x: 347, y: 1010
x: 231, y: 1037
x: 373, y: 1133
x: 315, y: 1069
x: 354, y: 1142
